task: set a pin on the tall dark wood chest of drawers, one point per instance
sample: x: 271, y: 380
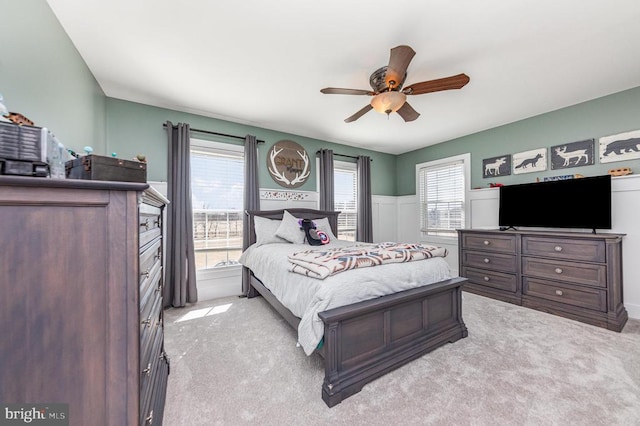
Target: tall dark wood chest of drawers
x: 81, y: 312
x: 571, y: 274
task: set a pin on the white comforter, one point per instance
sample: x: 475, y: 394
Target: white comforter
x: 305, y: 297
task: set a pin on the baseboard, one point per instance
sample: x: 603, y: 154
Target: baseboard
x: 633, y: 310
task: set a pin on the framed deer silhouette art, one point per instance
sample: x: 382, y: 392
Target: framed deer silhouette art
x: 574, y: 154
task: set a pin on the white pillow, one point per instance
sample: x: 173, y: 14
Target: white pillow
x: 290, y: 230
x: 323, y: 225
x: 266, y: 231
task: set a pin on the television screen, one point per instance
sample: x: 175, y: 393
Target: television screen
x: 572, y: 203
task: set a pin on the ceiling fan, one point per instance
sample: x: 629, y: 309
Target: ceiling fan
x: 388, y: 94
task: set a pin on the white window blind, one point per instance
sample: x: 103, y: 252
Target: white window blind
x: 345, y: 180
x: 217, y: 188
x: 442, y: 198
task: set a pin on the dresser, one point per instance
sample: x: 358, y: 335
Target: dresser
x: 81, y: 312
x: 570, y: 274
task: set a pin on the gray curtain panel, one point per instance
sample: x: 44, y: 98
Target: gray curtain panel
x: 364, y: 225
x: 251, y: 198
x: 326, y: 180
x: 180, y: 270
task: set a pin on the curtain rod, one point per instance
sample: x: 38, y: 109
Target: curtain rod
x: 216, y: 133
x: 345, y: 155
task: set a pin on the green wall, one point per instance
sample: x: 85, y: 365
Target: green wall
x: 134, y: 128
x: 43, y: 77
x: 604, y: 116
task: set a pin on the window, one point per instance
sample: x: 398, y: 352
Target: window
x: 217, y: 188
x: 441, y: 186
x: 345, y: 179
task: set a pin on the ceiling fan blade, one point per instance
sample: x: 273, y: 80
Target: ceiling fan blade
x: 359, y: 114
x: 339, y: 91
x: 399, y: 61
x: 447, y: 83
x: 407, y: 112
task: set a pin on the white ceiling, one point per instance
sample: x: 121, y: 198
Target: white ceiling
x: 263, y: 63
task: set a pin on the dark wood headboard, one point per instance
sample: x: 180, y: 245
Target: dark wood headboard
x: 299, y: 213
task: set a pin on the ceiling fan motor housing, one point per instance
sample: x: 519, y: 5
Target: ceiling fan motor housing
x: 378, y: 80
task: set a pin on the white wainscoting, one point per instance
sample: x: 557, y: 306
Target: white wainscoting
x: 408, y: 225
x: 384, y: 216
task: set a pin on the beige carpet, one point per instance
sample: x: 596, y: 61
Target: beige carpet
x: 234, y: 361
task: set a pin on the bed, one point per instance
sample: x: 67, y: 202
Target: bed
x: 364, y: 340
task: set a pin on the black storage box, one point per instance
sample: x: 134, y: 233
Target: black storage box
x: 22, y: 150
x: 98, y: 167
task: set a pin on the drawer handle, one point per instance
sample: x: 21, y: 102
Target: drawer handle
x: 559, y: 292
x: 558, y: 248
x: 486, y: 260
x: 147, y: 370
x: 487, y: 278
x: 147, y: 321
x: 145, y: 274
x: 558, y: 270
x: 145, y: 224
x: 149, y: 418
x: 486, y: 242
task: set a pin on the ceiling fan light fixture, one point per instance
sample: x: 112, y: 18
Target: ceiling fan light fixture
x: 388, y: 102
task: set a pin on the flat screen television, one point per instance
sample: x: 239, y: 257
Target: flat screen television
x: 583, y: 203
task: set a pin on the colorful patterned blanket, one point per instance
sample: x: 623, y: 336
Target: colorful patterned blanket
x: 321, y: 263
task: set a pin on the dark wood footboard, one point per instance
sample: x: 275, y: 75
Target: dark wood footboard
x: 366, y: 340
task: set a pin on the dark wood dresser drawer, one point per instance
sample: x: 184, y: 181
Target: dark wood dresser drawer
x: 497, y: 280
x: 155, y: 411
x: 150, y: 321
x: 495, y: 261
x: 580, y: 273
x: 150, y: 217
x: 489, y: 242
x: 149, y: 257
x: 566, y: 248
x: 583, y: 297
x: 148, y: 237
x: 149, y: 368
x: 151, y: 287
